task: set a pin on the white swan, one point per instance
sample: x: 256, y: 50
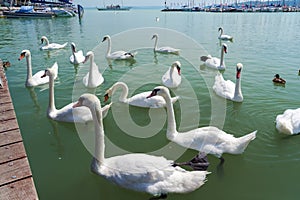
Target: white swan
x: 140, y: 99
x: 289, y: 122
x: 210, y: 140
x: 138, y: 171
x: 67, y: 113
x: 214, y: 62
x: 172, y: 77
x: 224, y: 37
x: 163, y: 49
x: 51, y: 46
x: 228, y: 89
x: 117, y: 55
x: 77, y: 57
x: 35, y: 80
x: 93, y: 78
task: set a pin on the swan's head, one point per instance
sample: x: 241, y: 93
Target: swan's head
x: 224, y: 47
x: 108, y: 94
x: 88, y: 100
x: 43, y: 38
x: 154, y: 36
x: 239, y: 68
x: 220, y: 29
x: 106, y: 37
x: 177, y: 64
x: 73, y: 47
x: 88, y: 55
x: 51, y: 72
x: 161, y: 91
x: 23, y: 54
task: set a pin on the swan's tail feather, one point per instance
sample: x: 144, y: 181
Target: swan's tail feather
x: 244, y: 141
x: 231, y: 39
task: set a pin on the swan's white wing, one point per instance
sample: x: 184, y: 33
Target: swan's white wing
x: 120, y: 55
x: 224, y: 88
x: 167, y: 50
x: 151, y: 174
x: 212, y: 140
x: 79, y: 57
x: 96, y: 78
x: 70, y: 114
x: 289, y: 122
x: 171, y: 83
x: 226, y: 37
x: 37, y: 80
x: 141, y: 100
x: 53, y: 46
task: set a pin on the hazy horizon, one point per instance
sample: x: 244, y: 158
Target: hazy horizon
x: 94, y: 3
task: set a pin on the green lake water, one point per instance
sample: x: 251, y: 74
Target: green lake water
x: 60, y: 153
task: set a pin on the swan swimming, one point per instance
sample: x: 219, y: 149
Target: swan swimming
x: 172, y: 78
x: 289, y: 122
x: 77, y: 57
x: 214, y: 62
x: 137, y: 171
x: 51, y: 46
x: 228, y: 89
x: 117, y: 55
x: 139, y: 100
x: 35, y: 80
x: 93, y: 78
x: 224, y: 37
x: 166, y: 49
x: 67, y: 113
x: 210, y: 139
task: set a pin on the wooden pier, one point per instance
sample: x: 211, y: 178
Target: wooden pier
x: 16, y: 180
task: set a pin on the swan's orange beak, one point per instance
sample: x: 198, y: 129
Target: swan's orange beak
x: 238, y: 74
x: 153, y: 93
x: 106, y: 97
x: 178, y: 69
x: 21, y: 56
x: 77, y: 104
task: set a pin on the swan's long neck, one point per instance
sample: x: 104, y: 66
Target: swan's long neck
x: 221, y: 32
x: 99, y: 135
x: 47, y: 41
x: 155, y: 43
x: 222, y: 57
x: 238, y: 90
x: 74, y: 55
x: 51, y: 106
x: 171, y: 129
x: 29, y: 67
x: 171, y: 73
x: 91, y: 77
x: 124, y: 94
x: 108, y: 46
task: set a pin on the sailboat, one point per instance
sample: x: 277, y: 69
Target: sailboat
x: 114, y: 7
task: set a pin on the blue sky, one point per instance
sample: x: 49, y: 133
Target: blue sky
x: 94, y: 3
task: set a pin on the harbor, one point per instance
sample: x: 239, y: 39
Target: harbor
x: 60, y: 154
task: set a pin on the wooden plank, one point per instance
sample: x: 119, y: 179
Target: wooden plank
x: 15, y: 174
x: 4, y: 99
x: 6, y: 106
x: 12, y: 152
x: 9, y: 137
x: 23, y: 189
x: 7, y: 115
x: 8, y: 125
x: 14, y: 171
